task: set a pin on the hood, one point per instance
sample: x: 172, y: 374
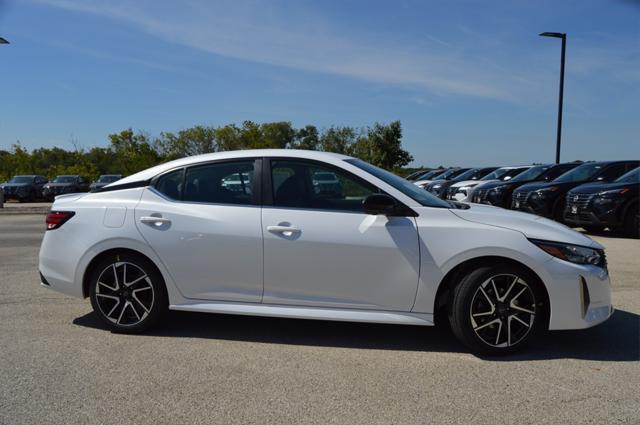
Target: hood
x: 470, y: 183
x: 532, y: 226
x: 601, y: 187
x: 530, y: 187
x: 498, y: 183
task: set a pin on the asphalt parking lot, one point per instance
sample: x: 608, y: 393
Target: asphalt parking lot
x: 59, y: 366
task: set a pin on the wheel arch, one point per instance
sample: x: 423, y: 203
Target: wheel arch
x: 452, y: 278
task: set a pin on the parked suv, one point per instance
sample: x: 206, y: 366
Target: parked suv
x: 65, y: 184
x: 615, y: 205
x: 440, y: 188
x: 499, y: 193
x: 104, y: 180
x: 23, y: 188
x: 548, y: 198
x: 463, y: 190
x: 450, y: 174
x: 425, y: 175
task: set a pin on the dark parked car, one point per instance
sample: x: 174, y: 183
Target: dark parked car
x: 440, y: 188
x: 23, y: 188
x: 449, y: 174
x: 104, y: 180
x: 548, y: 198
x: 615, y: 205
x: 499, y: 193
x: 63, y: 185
x: 425, y: 175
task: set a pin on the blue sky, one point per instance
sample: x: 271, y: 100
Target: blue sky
x: 471, y: 81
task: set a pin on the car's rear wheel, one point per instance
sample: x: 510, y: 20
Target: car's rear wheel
x: 593, y: 229
x: 127, y: 292
x: 497, y: 309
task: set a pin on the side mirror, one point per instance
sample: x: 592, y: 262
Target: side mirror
x: 379, y: 204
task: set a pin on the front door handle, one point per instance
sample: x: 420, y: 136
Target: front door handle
x: 283, y: 230
x: 155, y: 221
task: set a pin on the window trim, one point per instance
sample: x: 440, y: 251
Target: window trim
x: 267, y: 186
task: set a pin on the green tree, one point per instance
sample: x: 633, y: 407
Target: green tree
x: 133, y: 151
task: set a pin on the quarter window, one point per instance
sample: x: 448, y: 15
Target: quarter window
x: 170, y: 184
x: 300, y: 184
x: 220, y: 183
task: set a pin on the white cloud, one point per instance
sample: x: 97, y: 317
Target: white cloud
x: 294, y: 37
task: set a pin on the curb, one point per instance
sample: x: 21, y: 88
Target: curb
x: 24, y: 210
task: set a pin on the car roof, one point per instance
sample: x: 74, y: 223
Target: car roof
x: 250, y: 153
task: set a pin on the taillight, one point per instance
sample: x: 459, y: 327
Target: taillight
x: 56, y: 219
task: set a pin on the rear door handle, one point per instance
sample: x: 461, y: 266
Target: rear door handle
x: 283, y: 230
x: 155, y: 221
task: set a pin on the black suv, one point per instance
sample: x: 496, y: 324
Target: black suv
x: 104, y: 180
x: 440, y: 187
x: 65, y: 184
x: 23, y: 188
x: 425, y: 175
x: 499, y: 193
x: 548, y: 198
x: 615, y: 205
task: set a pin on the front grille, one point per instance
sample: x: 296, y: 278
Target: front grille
x: 520, y: 198
x: 581, y: 200
x: 480, y: 195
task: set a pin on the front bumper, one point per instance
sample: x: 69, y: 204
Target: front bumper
x: 580, y: 295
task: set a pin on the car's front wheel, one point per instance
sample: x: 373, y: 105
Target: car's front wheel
x: 127, y: 292
x: 497, y: 309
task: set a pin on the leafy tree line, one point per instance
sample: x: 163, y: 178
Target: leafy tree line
x: 129, y: 152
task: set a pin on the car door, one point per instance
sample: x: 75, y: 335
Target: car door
x: 207, y: 234
x: 322, y: 250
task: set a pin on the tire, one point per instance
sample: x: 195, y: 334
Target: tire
x: 477, y: 316
x: 558, y: 211
x: 632, y: 221
x: 593, y: 229
x: 127, y: 292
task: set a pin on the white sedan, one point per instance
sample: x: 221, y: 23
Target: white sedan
x: 380, y: 250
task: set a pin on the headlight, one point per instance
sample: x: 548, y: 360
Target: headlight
x: 615, y: 192
x: 572, y: 253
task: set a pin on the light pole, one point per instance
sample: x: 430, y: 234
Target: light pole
x: 562, y: 36
x: 3, y: 41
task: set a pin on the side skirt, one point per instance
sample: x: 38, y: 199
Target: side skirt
x: 294, y: 312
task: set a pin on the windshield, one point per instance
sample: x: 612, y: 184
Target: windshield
x: 419, y: 195
x: 447, y: 174
x: 64, y: 179
x: 455, y: 174
x: 429, y: 175
x: 108, y: 179
x: 531, y: 174
x: 632, y: 176
x: 21, y: 179
x: 473, y: 174
x: 495, y: 174
x: 581, y: 173
x: 325, y: 176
